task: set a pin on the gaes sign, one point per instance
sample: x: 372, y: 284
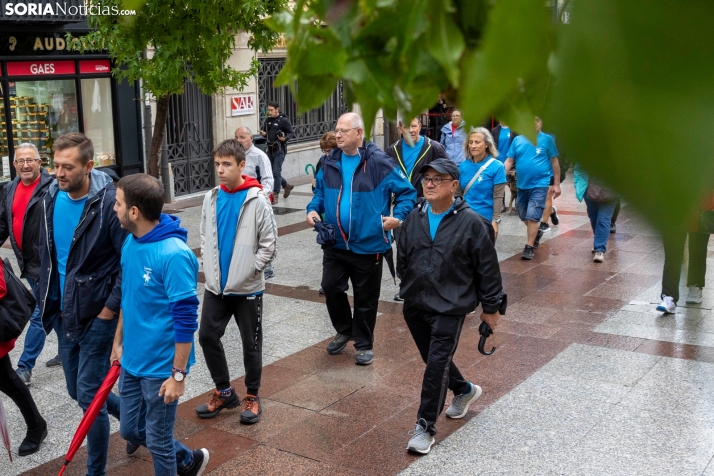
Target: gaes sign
x: 242, y: 104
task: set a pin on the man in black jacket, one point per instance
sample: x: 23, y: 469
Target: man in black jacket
x: 278, y: 131
x: 448, y: 265
x: 80, y: 284
x: 20, y: 217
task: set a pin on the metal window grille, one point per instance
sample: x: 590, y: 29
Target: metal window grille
x: 309, y: 126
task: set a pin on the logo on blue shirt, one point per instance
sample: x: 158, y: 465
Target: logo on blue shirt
x: 147, y: 275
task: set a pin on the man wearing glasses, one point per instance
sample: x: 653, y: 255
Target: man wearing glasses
x: 20, y: 217
x: 453, y: 136
x: 448, y: 265
x: 354, y: 189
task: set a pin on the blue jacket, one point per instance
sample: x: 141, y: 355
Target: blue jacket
x: 454, y: 144
x: 93, y: 277
x: 377, y: 177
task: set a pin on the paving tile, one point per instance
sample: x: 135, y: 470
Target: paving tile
x: 276, y: 418
x: 316, y: 392
x: 266, y: 461
x: 221, y: 445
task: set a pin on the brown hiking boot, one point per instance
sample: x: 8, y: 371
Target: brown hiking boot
x: 216, y: 404
x: 251, y: 410
x: 287, y: 189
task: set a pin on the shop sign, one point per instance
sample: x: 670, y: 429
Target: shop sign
x: 94, y: 66
x: 242, y: 104
x: 40, y: 68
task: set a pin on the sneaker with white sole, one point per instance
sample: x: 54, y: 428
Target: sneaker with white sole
x: 200, y: 461
x: 599, y: 257
x: 460, y: 403
x: 421, y: 440
x: 694, y: 295
x: 668, y: 306
x: 554, y: 216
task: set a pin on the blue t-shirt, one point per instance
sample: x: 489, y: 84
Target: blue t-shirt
x: 435, y: 219
x: 533, y: 169
x: 504, y: 142
x: 154, y: 275
x: 66, y: 217
x: 349, y: 165
x: 227, y: 215
x: 411, y: 154
x: 480, y: 195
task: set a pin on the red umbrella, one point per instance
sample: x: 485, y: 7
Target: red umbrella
x: 91, y: 414
x: 3, y: 430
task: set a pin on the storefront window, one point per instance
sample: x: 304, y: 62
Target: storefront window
x: 4, y: 142
x: 41, y: 111
x: 98, y: 118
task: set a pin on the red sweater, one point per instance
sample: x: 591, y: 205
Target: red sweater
x: 23, y: 193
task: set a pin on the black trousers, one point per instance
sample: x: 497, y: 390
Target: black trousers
x: 215, y: 316
x: 436, y: 337
x: 365, y: 272
x: 674, y: 255
x: 13, y: 387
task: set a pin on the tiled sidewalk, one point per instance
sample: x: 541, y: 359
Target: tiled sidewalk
x: 575, y: 386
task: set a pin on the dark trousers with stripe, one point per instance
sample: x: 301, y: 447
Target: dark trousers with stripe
x: 436, y: 336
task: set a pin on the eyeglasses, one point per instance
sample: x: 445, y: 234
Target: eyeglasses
x: 344, y: 131
x: 435, y: 180
x: 23, y: 161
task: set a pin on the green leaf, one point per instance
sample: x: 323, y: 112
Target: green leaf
x: 444, y: 39
x: 312, y: 92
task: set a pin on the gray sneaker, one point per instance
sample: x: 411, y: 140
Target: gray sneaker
x: 338, y: 344
x: 364, y: 357
x: 25, y: 375
x: 421, y: 440
x: 461, y: 403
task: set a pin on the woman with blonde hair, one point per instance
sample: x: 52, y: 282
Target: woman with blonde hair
x: 483, y: 177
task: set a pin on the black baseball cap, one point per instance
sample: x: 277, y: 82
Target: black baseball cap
x: 443, y: 166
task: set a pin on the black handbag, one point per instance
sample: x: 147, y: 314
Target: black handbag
x: 597, y: 192
x: 16, y: 307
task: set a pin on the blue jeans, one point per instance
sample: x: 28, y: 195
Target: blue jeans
x: 278, y: 180
x: 85, y: 363
x: 530, y: 203
x: 149, y: 422
x: 600, y: 214
x: 35, y: 337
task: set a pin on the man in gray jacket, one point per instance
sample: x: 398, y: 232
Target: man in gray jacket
x: 238, y: 241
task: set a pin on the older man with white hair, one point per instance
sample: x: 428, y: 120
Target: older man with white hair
x: 353, y: 190
x: 256, y: 159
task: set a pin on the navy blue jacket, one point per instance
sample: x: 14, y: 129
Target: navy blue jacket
x: 93, y: 277
x: 377, y: 177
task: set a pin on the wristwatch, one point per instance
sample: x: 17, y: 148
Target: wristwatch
x: 178, y: 374
x: 497, y: 221
x: 400, y: 222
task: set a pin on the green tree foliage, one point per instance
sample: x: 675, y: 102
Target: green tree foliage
x: 191, y: 39
x: 625, y: 85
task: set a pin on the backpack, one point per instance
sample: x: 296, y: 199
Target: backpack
x: 16, y: 307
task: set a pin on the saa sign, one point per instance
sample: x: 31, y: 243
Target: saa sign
x: 242, y: 104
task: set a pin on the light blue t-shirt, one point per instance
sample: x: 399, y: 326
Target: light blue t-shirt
x: 154, y: 275
x: 65, y: 219
x: 504, y: 143
x: 533, y: 169
x: 480, y: 195
x: 349, y: 165
x: 227, y: 215
x: 435, y: 219
x: 411, y: 154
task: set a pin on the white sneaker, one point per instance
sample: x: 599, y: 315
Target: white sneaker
x: 668, y: 306
x: 599, y: 257
x: 694, y: 296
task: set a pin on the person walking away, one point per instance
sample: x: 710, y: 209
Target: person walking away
x: 12, y: 385
x: 453, y: 135
x: 80, y: 285
x: 536, y: 165
x: 503, y: 136
x: 238, y: 240
x: 154, y: 336
x: 482, y: 176
x: 278, y: 130
x: 327, y: 142
x: 256, y: 160
x: 550, y: 212
x: 600, y: 210
x: 449, y: 265
x: 20, y: 216
x: 354, y: 191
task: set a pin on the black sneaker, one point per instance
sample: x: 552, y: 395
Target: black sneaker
x: 364, y: 357
x: 33, y: 439
x: 338, y: 344
x: 554, y: 216
x: 528, y: 252
x: 131, y: 449
x: 544, y: 227
x: 321, y: 291
x: 397, y: 297
x: 217, y: 403
x: 536, y: 243
x: 200, y: 461
x: 251, y: 410
x: 54, y: 362
x: 613, y: 228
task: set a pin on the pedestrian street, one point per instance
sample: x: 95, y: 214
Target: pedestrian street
x: 587, y: 378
